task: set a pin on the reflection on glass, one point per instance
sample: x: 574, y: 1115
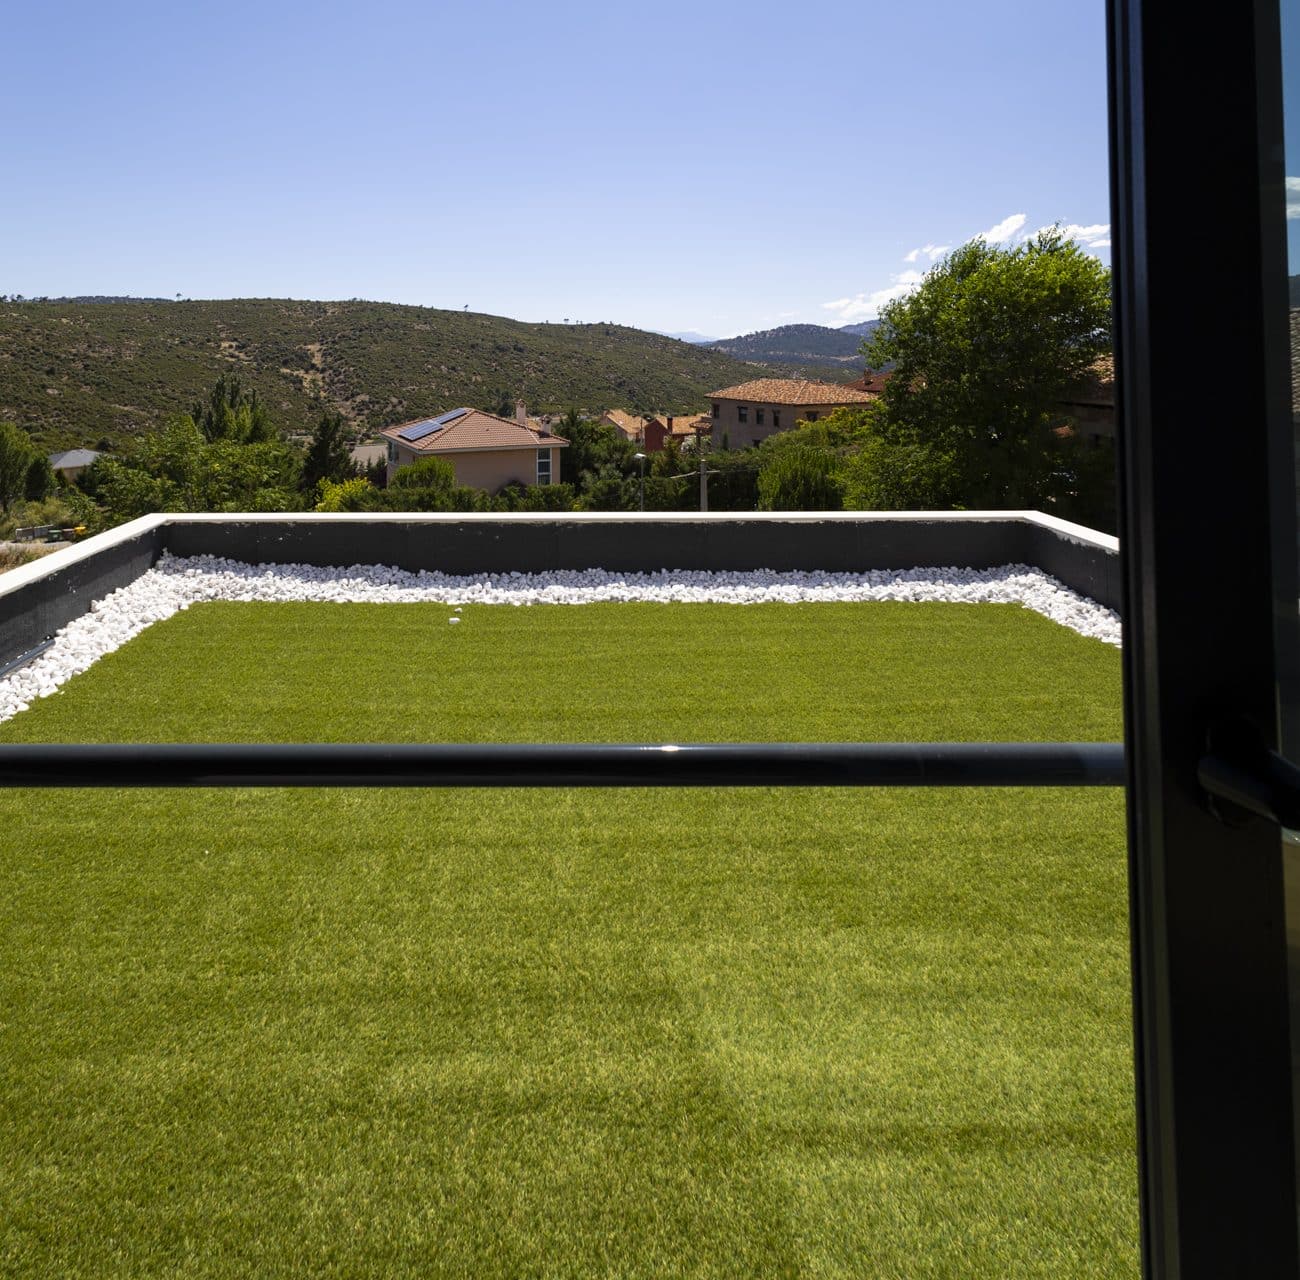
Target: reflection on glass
x: 1291, y: 711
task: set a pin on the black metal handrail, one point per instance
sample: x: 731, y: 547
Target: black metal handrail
x: 777, y: 764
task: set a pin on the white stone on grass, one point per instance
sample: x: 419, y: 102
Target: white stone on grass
x: 174, y: 584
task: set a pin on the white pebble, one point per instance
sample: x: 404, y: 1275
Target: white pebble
x: 174, y: 584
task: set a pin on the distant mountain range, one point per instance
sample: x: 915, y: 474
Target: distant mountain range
x: 691, y: 335
x: 801, y: 344
x: 864, y: 328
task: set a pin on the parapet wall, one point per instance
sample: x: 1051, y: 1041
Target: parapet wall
x: 38, y: 599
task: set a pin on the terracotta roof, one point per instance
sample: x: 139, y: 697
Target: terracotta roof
x: 475, y: 429
x: 688, y: 424
x: 795, y: 391
x: 874, y: 382
x: 630, y: 424
x: 1097, y: 386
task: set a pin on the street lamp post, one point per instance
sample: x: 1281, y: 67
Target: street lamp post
x: 641, y: 458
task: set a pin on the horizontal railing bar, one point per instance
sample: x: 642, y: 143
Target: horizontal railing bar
x: 777, y: 764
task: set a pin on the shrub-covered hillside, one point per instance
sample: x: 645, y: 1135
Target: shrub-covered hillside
x: 75, y: 373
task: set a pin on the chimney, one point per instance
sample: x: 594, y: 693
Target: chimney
x: 670, y: 424
x: 521, y: 413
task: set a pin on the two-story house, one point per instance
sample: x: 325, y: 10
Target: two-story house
x: 485, y: 451
x: 747, y: 414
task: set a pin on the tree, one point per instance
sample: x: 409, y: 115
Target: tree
x: 906, y: 475
x: 983, y: 351
x: 800, y: 479
x: 428, y: 473
x: 16, y: 454
x: 592, y: 445
x: 328, y: 456
x: 231, y: 413
x: 348, y: 495
x: 40, y: 480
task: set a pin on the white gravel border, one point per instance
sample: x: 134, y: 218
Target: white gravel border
x: 174, y: 584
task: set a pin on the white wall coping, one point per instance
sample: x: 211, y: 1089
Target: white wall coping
x: 56, y: 560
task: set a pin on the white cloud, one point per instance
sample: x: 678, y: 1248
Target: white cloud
x: 1292, y: 199
x: 1004, y: 229
x: 866, y: 306
x: 931, y: 251
x: 1095, y: 236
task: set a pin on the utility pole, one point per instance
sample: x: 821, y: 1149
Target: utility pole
x: 704, y: 469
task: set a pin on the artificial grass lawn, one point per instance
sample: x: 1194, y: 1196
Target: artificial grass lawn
x: 726, y: 1032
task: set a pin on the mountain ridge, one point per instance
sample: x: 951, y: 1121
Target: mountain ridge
x: 78, y: 373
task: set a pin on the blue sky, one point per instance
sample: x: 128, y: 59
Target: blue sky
x: 710, y: 166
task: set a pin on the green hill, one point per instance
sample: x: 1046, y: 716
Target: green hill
x: 799, y: 344
x: 77, y: 372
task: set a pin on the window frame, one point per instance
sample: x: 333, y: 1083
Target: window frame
x: 1217, y: 1175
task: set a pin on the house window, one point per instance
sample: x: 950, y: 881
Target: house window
x: 716, y: 409
x: 543, y: 466
x: 392, y: 452
x: 758, y: 417
x: 776, y: 419
x: 812, y: 417
x: 742, y: 412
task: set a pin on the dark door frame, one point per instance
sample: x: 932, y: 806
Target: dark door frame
x: 1208, y: 533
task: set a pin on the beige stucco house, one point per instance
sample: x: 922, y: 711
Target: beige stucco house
x: 485, y: 451
x: 749, y: 413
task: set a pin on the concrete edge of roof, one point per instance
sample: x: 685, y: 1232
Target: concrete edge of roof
x: 93, y: 546
x: 11, y: 579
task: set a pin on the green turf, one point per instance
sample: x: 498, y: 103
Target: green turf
x: 699, y: 1033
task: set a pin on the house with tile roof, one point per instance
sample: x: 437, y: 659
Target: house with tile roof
x: 629, y: 425
x: 649, y: 433
x: 485, y: 451
x: 746, y: 414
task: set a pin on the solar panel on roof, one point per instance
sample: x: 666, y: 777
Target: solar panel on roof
x: 418, y: 430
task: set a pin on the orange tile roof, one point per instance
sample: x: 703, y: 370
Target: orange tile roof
x: 476, y: 429
x: 688, y: 424
x: 1097, y: 386
x: 630, y: 424
x: 794, y: 391
x: 872, y: 381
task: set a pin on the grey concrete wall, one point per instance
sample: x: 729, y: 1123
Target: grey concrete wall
x: 487, y: 544
x: 1091, y: 570
x: 34, y: 603
x: 37, y: 604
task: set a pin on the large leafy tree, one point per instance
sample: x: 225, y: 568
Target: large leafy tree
x: 983, y: 351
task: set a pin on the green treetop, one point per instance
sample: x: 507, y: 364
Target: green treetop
x: 983, y: 352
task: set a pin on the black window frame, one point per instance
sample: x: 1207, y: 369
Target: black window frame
x: 1210, y: 994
